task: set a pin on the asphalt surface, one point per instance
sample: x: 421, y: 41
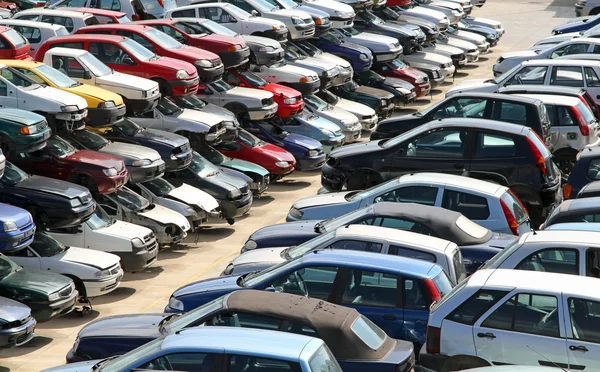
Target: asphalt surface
x: 206, y: 253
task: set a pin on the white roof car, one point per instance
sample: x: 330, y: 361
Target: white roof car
x: 341, y: 15
x: 361, y: 238
x: 72, y: 21
x: 444, y: 63
x: 35, y: 32
x: 515, y: 317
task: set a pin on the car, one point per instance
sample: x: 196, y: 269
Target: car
x: 204, y: 346
x: 35, y: 32
x: 320, y: 17
x: 492, y: 36
x: 49, y: 295
x: 527, y: 111
x: 326, y: 70
x: 378, y: 275
x: 139, y: 94
x: 588, y: 191
x: 445, y: 64
x: 304, y: 80
x: 52, y: 202
x: 18, y: 326
x: 481, y: 42
x: 586, y: 8
x: 403, y: 91
x: 348, y: 123
x: 22, y: 130
x: 457, y: 55
x: 384, y: 48
x: 453, y: 11
x: 94, y: 273
x: 289, y: 101
x: 574, y: 210
x: 368, y: 22
x: 104, y: 16
x: 379, y: 100
x: 308, y: 152
x: 135, y: 245
x: 14, y: 45
x: 259, y: 175
x: 307, y: 48
x: 277, y: 161
x: 133, y: 9
x: 174, y: 77
x: 476, y: 244
x: 209, y: 65
x: 366, y: 116
x: 104, y: 107
x: 486, y: 22
x: 447, y: 137
x: 71, y: 20
x: 233, y: 18
x: 359, y: 57
x: 230, y: 121
x: 514, y: 307
x: 174, y: 149
x: 233, y: 194
x: 471, y: 52
x: 401, y: 70
x: 98, y: 172
x: 408, y: 9
x: 390, y: 15
x: 233, y: 51
x: 336, y: 325
x: 143, y: 163
x: 577, y: 25
x: 18, y: 228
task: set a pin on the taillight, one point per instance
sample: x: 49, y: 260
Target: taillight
x: 160, y: 2
x: 583, y: 125
x: 434, y: 337
x: 434, y: 294
x: 539, y: 158
x: 510, y: 218
x: 567, y: 189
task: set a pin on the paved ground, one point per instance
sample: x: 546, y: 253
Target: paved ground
x: 207, y: 253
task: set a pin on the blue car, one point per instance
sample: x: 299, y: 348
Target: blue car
x: 585, y: 171
x: 360, y: 57
x: 393, y: 292
x: 577, y: 26
x: 308, y: 152
x: 17, y: 229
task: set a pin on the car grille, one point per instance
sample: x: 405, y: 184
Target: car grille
x: 217, y: 128
x: 471, y: 50
x: 244, y: 190
x: 148, y: 238
x: 41, y: 126
x: 267, y: 101
x: 367, y: 117
x: 16, y: 323
x: 309, y: 32
x: 66, y: 292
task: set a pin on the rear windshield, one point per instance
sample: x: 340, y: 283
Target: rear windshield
x: 368, y: 332
x: 442, y: 283
x: 591, y: 104
x: 449, y: 295
x: 513, y: 204
x: 471, y: 228
x: 90, y: 21
x: 61, y: 31
x: 585, y: 112
x: 15, y: 38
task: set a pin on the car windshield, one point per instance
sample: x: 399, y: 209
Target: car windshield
x: 329, y: 97
x: 202, y: 167
x: 265, y: 276
x: 55, y: 77
x: 377, y: 189
x: 207, y: 26
x: 389, y: 14
x: 89, y: 139
x: 60, y: 147
x: 311, y: 245
x: 191, y: 318
x: 220, y: 86
x: 315, y: 102
x: 323, y: 361
x: 398, y: 64
x: 266, y: 5
x: 498, y: 258
x: 368, y: 332
x: 249, y: 139
x: 162, y: 39
x: 190, y: 102
x: 7, y: 267
x: 213, y: 155
x: 159, y: 186
x: 254, y: 80
x: 96, y: 66
x: 99, y: 219
x: 128, y: 127
x: 287, y: 4
x: 19, y: 79
x: 167, y: 106
x: 370, y: 17
x: 294, y: 53
x: 309, y: 48
x: 13, y: 174
x: 137, y: 50
x: 401, y: 138
x: 332, y: 38
x: 46, y: 246
x: 333, y: 223
x: 239, y: 12
x: 130, y: 199
x: 504, y: 76
x: 371, y: 75
x: 123, y: 19
x: 15, y: 38
x: 121, y: 363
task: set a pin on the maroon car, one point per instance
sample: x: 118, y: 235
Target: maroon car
x: 398, y: 69
x: 233, y: 51
x: 98, y: 172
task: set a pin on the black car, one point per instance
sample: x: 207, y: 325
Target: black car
x: 377, y: 99
x: 403, y: 91
x: 233, y: 194
x: 502, y: 107
x: 368, y: 22
x: 507, y: 154
x: 389, y: 15
x: 52, y: 203
x: 491, y: 35
x: 173, y: 148
x: 575, y: 210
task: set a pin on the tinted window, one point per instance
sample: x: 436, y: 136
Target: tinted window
x: 410, y: 194
x: 191, y: 13
x: 415, y: 294
x: 512, y: 112
x: 592, y: 263
x: 585, y: 319
x: 488, y: 145
x: 567, y: 76
x: 145, y: 43
x: 368, y: 288
x: 471, y: 206
x: 462, y: 107
x: 570, y: 49
x: 593, y: 172
x: 32, y: 34
x: 356, y: 245
x: 65, y: 21
x: 251, y: 363
x: 591, y: 79
x: 67, y: 45
x: 110, y: 5
x: 316, y: 282
x: 180, y: 362
x: 411, y: 253
x: 400, y: 224
x: 473, y: 308
x: 564, y: 261
x: 444, y: 144
x: 531, y: 75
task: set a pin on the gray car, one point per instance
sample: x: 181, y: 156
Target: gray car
x: 16, y: 323
x: 384, y: 48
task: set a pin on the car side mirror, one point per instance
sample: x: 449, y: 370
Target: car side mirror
x: 87, y: 75
x: 128, y: 61
x: 255, y: 13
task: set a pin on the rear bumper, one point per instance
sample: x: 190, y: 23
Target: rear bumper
x: 32, y: 142
x: 431, y: 362
x: 98, y: 117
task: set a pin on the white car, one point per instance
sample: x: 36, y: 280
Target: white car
x: 471, y: 51
x: 348, y: 123
x: 140, y: 95
x: 37, y: 33
x: 480, y: 41
x: 344, y: 67
x: 302, y: 79
x: 341, y: 15
x: 454, y: 12
x: 234, y: 18
x: 447, y: 68
x: 457, y: 55
x: 432, y: 15
x: 360, y: 238
x: 94, y: 273
x: 486, y: 22
x: 135, y: 245
x: 366, y: 115
x: 327, y: 71
x: 72, y: 21
x: 515, y: 317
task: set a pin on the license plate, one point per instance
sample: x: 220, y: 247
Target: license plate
x: 29, y: 233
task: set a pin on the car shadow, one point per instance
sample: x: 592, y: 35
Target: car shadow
x: 213, y: 232
x: 468, y: 67
x: 483, y: 59
x: 118, y: 294
x: 147, y: 273
x: 74, y: 319
x: 288, y: 185
x: 35, y: 344
x: 263, y: 200
x: 461, y: 74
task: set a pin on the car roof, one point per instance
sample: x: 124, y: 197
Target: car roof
x: 593, y: 186
x: 68, y: 51
x: 504, y: 97
x: 20, y: 63
x: 96, y: 11
x: 580, y: 204
x: 500, y: 126
x: 201, y: 4
x: 577, y: 226
x: 76, y: 37
x: 119, y: 26
x: 541, y: 89
x: 160, y: 21
x: 280, y: 345
x: 453, y: 180
x: 557, y: 236
x: 55, y: 12
x: 28, y: 23
x: 561, y: 62
x: 553, y: 99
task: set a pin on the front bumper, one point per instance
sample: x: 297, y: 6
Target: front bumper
x: 43, y: 312
x: 32, y: 142
x: 19, y: 239
x: 301, y: 32
x: 59, y: 218
x: 180, y: 162
x: 208, y: 75
x: 483, y: 48
x: 343, y: 77
x: 184, y: 87
x: 262, y: 113
x: 369, y: 122
x: 259, y: 187
x: 384, y: 57
x: 330, y: 145
x: 307, y: 163
x: 386, y: 111
x: 74, y: 116
x: 285, y: 110
x: 147, y: 172
x: 234, y: 59
x: 282, y: 172
x: 95, y: 288
x: 351, y: 135
x: 327, y: 81
x: 140, y: 106
x: 338, y: 22
x: 19, y: 335
x: 99, y: 117
x: 332, y: 179
x: 448, y: 71
x: 279, y: 35
x: 112, y: 184
x: 473, y: 56
x: 423, y: 89
x: 306, y: 88
x: 136, y: 261
x: 236, y: 208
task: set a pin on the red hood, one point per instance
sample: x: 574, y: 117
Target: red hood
x: 215, y: 42
x: 175, y: 64
x: 275, y: 153
x: 408, y: 72
x: 192, y: 54
x: 278, y: 89
x: 96, y: 158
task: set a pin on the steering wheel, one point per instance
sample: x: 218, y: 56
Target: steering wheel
x: 301, y: 284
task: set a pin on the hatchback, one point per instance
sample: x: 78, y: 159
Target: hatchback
x: 72, y: 21
x: 575, y: 210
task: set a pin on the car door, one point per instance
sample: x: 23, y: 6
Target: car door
x: 530, y: 75
x: 9, y: 93
x: 567, y: 76
x: 592, y: 82
x: 496, y: 156
x: 115, y: 57
x: 27, y: 258
x: 461, y: 107
x: 583, y: 332
x: 524, y: 328
x: 170, y: 360
x: 311, y: 281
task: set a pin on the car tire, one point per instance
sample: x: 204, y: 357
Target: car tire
x: 83, y: 180
x: 79, y: 286
x: 462, y: 362
x: 165, y: 88
x: 363, y: 179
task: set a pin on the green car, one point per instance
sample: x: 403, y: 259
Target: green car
x: 22, y: 131
x: 259, y: 175
x: 48, y: 295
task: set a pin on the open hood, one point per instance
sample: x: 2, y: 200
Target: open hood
x: 165, y: 216
x: 323, y: 199
x: 191, y: 195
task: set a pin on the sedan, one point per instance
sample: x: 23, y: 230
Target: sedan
x: 347, y: 122
x: 17, y: 326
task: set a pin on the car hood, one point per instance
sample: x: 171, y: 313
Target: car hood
x: 306, y: 227
x: 219, y: 111
x: 398, y: 83
x: 300, y: 140
x: 119, y: 80
x: 570, y: 25
x: 356, y: 108
x: 462, y: 44
x: 418, y: 10
x: 60, y: 97
x: 370, y: 39
x: 101, y: 94
x: 499, y: 240
x: 246, y: 93
x: 121, y: 229
x: 520, y: 54
x: 75, y: 367
x: 259, y: 40
x: 165, y: 216
x: 322, y: 123
x: 379, y: 93
x: 245, y: 166
x: 468, y: 35
x: 272, y: 255
x: 329, y: 6
x: 444, y: 49
x: 35, y: 280
x: 315, y: 62
x: 155, y: 135
x: 11, y: 310
x: 194, y: 53
x: 468, y: 84
x: 276, y: 153
x: 214, y: 284
x: 226, y: 181
x: 131, y: 325
x: 127, y: 150
x: 488, y: 21
x: 98, y: 259
x: 323, y: 199
x: 173, y: 64
x: 192, y: 195
x: 337, y: 114
x: 355, y: 149
x: 427, y: 57
x: 297, y: 70
x: 53, y: 186
x: 200, y: 116
x: 334, y: 59
x: 96, y: 158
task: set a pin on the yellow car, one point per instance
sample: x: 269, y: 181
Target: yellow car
x: 104, y: 107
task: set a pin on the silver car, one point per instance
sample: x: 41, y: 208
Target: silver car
x: 16, y: 323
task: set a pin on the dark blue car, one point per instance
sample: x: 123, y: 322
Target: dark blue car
x: 360, y: 57
x: 577, y: 26
x: 308, y: 152
x: 586, y: 170
x: 17, y: 228
x: 393, y: 292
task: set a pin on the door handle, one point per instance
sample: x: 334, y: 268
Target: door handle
x: 486, y: 335
x: 459, y: 166
x: 389, y: 317
x: 583, y: 349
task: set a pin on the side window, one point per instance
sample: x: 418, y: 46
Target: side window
x: 584, y: 315
x: 68, y: 66
x: 316, y: 282
x: 180, y: 362
x: 30, y: 75
x: 108, y: 53
x: 551, y: 116
x: 567, y: 76
x: 596, y: 49
x: 4, y: 44
x: 591, y: 218
x: 593, y: 172
x: 2, y: 88
x: 415, y: 295
x: 462, y: 107
x: 570, y: 49
x: 591, y: 78
x: 74, y: 3
x: 243, y: 5
x: 189, y: 13
x: 511, y: 112
x: 65, y: 21
x: 356, y: 245
x: 67, y: 45
x: 400, y: 224
x: 529, y: 75
x: 109, y: 206
x: 32, y: 34
x: 109, y: 5
x: 444, y: 144
x: 565, y: 117
x: 245, y: 320
x: 411, y: 253
x: 231, y: 78
x: 28, y: 17
x: 251, y: 363
x: 493, y: 146
x: 368, y: 288
x: 411, y: 194
x: 592, y: 262
x: 145, y: 43
x: 471, y: 206
x: 526, y: 313
x: 564, y: 261
x: 473, y: 308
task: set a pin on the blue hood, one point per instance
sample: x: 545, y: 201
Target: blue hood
x: 222, y: 285
x: 300, y: 140
x: 15, y: 214
x: 577, y: 25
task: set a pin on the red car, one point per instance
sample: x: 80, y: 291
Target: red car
x: 13, y: 45
x: 103, y: 16
x: 233, y: 51
x: 289, y: 100
x: 176, y: 78
x: 98, y: 172
x: 209, y: 65
x: 246, y: 146
x: 398, y: 69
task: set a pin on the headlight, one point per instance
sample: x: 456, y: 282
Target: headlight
x: 321, y: 21
x: 175, y: 304
x: 234, y: 194
x: 233, y: 48
x: 203, y: 63
x: 489, y: 36
x: 189, y: 210
x: 53, y: 297
x: 137, y: 244
x: 296, y: 213
x: 391, y: 46
x: 327, y: 132
x: 182, y: 74
x: 266, y: 49
x: 275, y: 28
x: 10, y: 226
x: 297, y: 21
x: 289, y: 100
x: 420, y: 80
x: 75, y: 202
x: 364, y: 57
x: 282, y: 164
x: 107, y: 104
x: 69, y: 108
x: 141, y: 163
x: 313, y: 153
x: 32, y: 129
x: 110, y: 172
x: 403, y: 91
x: 344, y: 14
x: 102, y: 273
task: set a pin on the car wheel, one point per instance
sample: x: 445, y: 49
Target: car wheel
x: 165, y: 88
x: 83, y: 180
x: 363, y: 179
x: 462, y: 362
x: 78, y: 285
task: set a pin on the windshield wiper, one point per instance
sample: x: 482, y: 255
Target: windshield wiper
x: 167, y: 319
x: 98, y: 365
